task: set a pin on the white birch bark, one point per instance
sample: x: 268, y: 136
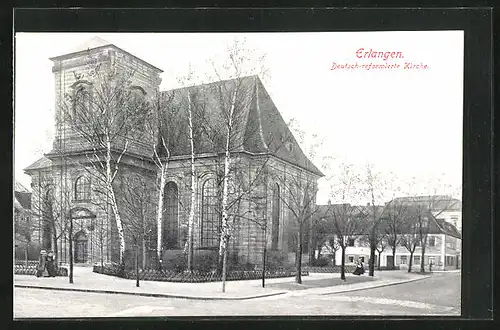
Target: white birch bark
x: 225, y: 192
x: 189, y: 242
x: 163, y: 167
x: 110, y: 175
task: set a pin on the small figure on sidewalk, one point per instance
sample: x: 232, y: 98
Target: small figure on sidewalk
x: 51, y: 269
x: 359, y: 268
x: 42, y: 264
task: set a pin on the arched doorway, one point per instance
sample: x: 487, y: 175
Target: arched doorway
x: 81, y: 246
x: 82, y: 250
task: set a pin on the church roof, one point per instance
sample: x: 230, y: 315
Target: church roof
x: 41, y: 163
x: 259, y: 127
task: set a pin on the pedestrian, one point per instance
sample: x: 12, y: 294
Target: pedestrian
x: 51, y: 269
x: 359, y: 268
x: 42, y: 264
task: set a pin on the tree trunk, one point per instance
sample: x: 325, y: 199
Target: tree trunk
x: 193, y: 191
x: 70, y: 250
x: 159, y: 211
x: 373, y: 246
x: 422, y: 265
x: 393, y: 266
x: 410, y: 263
x: 26, y: 253
x: 136, y: 264
x: 224, y: 269
x: 143, y: 252
x: 54, y: 244
x: 342, y: 265
x: 264, y: 266
x: 298, y: 270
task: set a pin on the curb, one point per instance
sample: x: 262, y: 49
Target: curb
x: 156, y: 295
x: 377, y: 286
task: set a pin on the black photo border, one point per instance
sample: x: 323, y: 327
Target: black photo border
x: 479, y: 171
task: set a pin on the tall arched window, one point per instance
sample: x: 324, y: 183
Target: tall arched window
x: 82, y: 189
x: 82, y: 103
x: 47, y: 218
x: 210, y: 216
x: 275, y: 217
x: 171, y: 217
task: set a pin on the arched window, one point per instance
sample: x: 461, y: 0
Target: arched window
x: 47, y: 218
x: 275, y: 217
x: 171, y: 217
x: 82, y: 103
x: 210, y: 216
x: 82, y: 189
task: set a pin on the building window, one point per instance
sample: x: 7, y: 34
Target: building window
x: 416, y: 260
x: 47, y: 219
x: 82, y: 189
x: 432, y: 241
x: 210, y: 215
x: 351, y: 259
x: 171, y: 217
x: 403, y: 260
x: 81, y: 104
x: 362, y: 259
x: 275, y: 217
x: 350, y: 242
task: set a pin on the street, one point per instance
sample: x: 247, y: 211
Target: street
x: 437, y: 295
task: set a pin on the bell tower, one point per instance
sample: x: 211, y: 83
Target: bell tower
x: 73, y: 71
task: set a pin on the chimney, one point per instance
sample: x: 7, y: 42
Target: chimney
x: 368, y: 204
x: 329, y: 202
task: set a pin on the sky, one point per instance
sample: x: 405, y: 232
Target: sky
x: 407, y: 122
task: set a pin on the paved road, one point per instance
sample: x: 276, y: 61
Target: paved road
x: 437, y: 295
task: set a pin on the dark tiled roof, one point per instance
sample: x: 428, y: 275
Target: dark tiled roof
x: 436, y: 226
x: 24, y: 198
x: 259, y: 127
x: 43, y: 162
x: 19, y: 187
x: 436, y: 202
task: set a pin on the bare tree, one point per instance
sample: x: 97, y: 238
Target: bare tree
x: 299, y: 198
x: 233, y: 97
x: 105, y: 111
x: 395, y: 214
x: 347, y: 220
x: 52, y: 208
x: 410, y: 238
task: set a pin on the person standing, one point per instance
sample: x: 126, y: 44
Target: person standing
x: 42, y: 265
x: 51, y: 269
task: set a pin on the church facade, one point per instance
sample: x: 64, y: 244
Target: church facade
x: 64, y: 188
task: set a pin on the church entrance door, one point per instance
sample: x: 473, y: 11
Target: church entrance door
x: 81, y: 247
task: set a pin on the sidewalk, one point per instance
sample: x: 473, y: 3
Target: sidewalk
x: 87, y: 281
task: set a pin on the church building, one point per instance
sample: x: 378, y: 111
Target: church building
x: 62, y: 188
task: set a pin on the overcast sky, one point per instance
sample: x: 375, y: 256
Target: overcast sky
x: 404, y: 121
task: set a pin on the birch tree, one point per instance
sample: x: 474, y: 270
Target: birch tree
x: 233, y: 98
x: 105, y: 112
x: 163, y: 129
